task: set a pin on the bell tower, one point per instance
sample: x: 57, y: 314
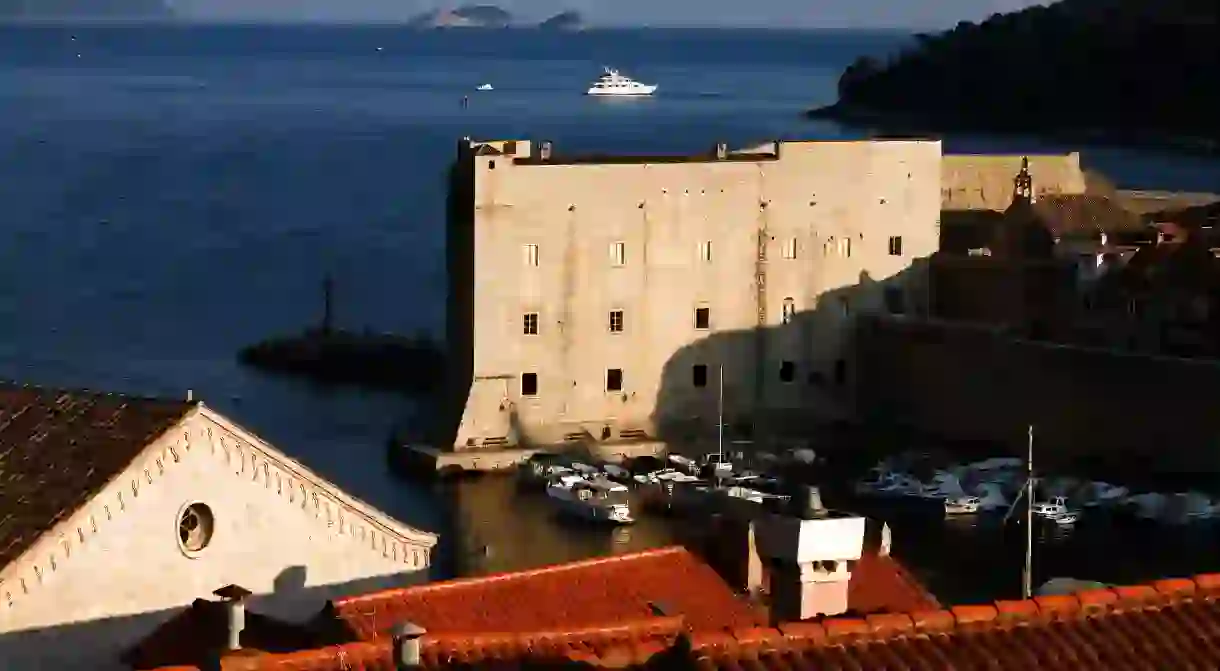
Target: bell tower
x: 1023, y: 184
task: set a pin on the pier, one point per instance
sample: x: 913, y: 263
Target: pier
x: 326, y: 354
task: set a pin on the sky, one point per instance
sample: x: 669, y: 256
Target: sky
x: 772, y: 13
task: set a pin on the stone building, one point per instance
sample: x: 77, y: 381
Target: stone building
x: 116, y: 512
x: 600, y: 297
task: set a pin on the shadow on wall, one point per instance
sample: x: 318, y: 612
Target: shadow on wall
x: 101, y: 645
x: 781, y: 380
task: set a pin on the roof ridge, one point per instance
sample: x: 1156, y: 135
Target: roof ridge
x: 355, y: 651
x: 15, y: 384
x: 503, y: 576
x: 885, y: 626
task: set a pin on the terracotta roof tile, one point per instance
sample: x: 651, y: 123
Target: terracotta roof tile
x: 628, y: 643
x: 575, y: 595
x: 881, y: 584
x: 194, y: 635
x: 59, y: 448
x: 1171, y: 624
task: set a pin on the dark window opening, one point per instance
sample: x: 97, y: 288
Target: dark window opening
x: 616, y: 321
x: 614, y: 379
x: 787, y: 371
x: 530, y: 325
x: 605, y: 433
x: 529, y: 384
x: 894, y: 302
x: 896, y: 245
x: 840, y: 372
x: 699, y: 374
x: 703, y: 318
x: 491, y: 165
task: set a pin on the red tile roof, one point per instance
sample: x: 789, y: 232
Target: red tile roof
x: 1170, y: 624
x: 59, y: 448
x: 591, y: 593
x: 880, y: 584
x: 629, y: 642
x: 193, y: 636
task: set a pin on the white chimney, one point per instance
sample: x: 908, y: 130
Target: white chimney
x: 810, y: 554
x: 544, y: 151
x: 408, y: 646
x: 190, y: 395
x: 722, y: 151
x: 234, y: 598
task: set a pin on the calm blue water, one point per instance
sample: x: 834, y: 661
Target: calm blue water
x: 170, y: 194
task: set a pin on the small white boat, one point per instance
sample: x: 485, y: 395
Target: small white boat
x: 962, y: 505
x: 485, y: 87
x: 596, y: 499
x: 1052, y: 509
x: 612, y: 83
x: 1066, y: 519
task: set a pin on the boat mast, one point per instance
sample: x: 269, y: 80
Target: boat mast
x: 1027, y: 577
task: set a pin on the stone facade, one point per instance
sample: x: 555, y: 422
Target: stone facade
x: 600, y: 297
x: 107, y: 575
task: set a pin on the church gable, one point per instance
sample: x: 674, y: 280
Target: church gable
x: 204, y: 504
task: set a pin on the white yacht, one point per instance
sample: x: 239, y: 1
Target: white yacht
x: 595, y: 499
x: 613, y: 83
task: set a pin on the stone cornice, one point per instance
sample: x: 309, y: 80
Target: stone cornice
x: 249, y: 447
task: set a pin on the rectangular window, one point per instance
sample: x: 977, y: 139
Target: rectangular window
x: 614, y: 379
x: 703, y: 318
x: 894, y: 302
x: 529, y: 384
x: 789, y: 250
x: 845, y: 307
x: 530, y: 323
x: 895, y: 245
x: 698, y: 375
x: 789, y: 310
x: 618, y: 254
x: 616, y: 321
x: 530, y: 254
x: 845, y: 247
x: 705, y: 251
x: 787, y: 371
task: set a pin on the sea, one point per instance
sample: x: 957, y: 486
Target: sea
x: 171, y: 193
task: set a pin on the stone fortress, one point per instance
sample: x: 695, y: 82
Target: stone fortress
x: 599, y: 298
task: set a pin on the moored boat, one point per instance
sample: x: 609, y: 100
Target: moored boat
x: 594, y: 499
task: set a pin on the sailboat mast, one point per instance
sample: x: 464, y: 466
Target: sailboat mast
x: 1027, y: 578
x: 720, y: 419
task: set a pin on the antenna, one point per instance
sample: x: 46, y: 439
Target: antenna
x: 1027, y: 578
x: 720, y: 419
x: 1027, y: 491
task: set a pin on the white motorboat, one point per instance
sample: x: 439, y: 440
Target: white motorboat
x: 1052, y: 509
x: 595, y: 499
x: 613, y: 83
x: 962, y: 505
x: 1066, y: 519
x: 485, y: 87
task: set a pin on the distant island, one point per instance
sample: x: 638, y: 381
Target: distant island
x: 570, y: 20
x: 491, y: 16
x: 1127, y: 70
x: 84, y: 9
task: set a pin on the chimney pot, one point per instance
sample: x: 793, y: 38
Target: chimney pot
x: 234, y: 598
x: 544, y: 151
x: 722, y: 151
x: 407, y: 645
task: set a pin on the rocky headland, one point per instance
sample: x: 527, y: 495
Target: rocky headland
x: 1132, y: 71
